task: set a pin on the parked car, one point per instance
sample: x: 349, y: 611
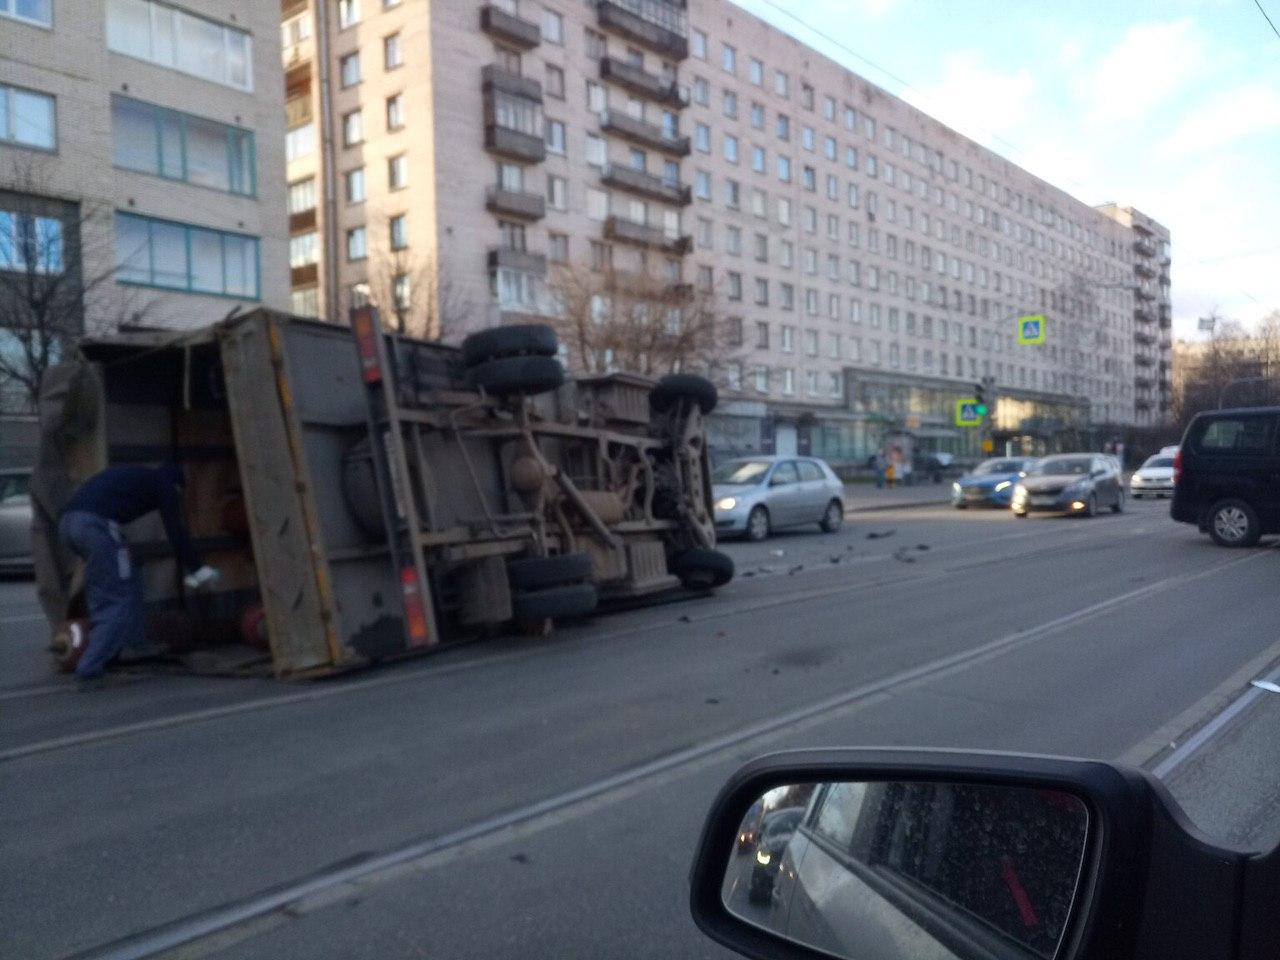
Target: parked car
x: 1070, y: 483
x: 990, y: 483
x: 1153, y: 479
x: 1226, y: 475
x: 757, y: 495
x: 15, y: 522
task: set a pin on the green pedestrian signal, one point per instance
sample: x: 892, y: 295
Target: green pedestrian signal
x: 980, y: 409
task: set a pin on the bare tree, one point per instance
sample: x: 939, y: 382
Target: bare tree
x: 1234, y: 366
x: 414, y: 295
x: 56, y: 268
x: 611, y: 320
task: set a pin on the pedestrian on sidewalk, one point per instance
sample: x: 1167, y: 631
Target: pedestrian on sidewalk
x: 90, y: 527
x: 878, y: 464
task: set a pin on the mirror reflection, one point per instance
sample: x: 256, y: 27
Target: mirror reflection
x: 919, y: 870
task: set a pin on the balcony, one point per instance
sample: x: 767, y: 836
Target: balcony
x: 681, y: 291
x: 641, y: 82
x: 646, y: 184
x: 1143, y: 360
x: 1144, y: 247
x: 515, y: 203
x: 493, y: 77
x: 1143, y: 383
x: 1144, y: 293
x: 1143, y: 269
x: 510, y: 29
x: 514, y: 144
x: 1143, y: 314
x: 1143, y: 338
x: 508, y: 259
x: 1141, y: 403
x: 657, y: 24
x: 302, y: 221
x: 645, y: 134
x: 305, y: 275
x: 622, y: 230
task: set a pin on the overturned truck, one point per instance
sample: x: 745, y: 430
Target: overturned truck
x: 367, y: 495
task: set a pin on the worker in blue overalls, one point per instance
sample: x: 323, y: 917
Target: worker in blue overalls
x: 90, y: 526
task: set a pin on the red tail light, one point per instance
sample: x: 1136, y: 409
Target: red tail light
x: 415, y: 609
x: 1177, y: 467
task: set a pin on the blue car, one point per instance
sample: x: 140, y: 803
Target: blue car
x: 991, y: 483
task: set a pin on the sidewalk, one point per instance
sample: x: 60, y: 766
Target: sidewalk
x: 865, y: 496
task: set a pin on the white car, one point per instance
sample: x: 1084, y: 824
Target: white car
x: 1154, y: 478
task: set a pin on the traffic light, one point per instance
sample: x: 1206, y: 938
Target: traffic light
x: 980, y: 394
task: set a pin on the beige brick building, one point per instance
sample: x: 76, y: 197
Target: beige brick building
x: 141, y: 150
x: 874, y: 260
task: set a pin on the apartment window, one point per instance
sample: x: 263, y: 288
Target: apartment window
x: 508, y: 60
x: 783, y: 127
x: 759, y: 160
x: 29, y: 11
x: 784, y: 168
x: 601, y: 255
x: 781, y: 84
x: 731, y: 105
x: 395, y: 112
x: 671, y: 173
x: 733, y: 241
x: 595, y: 44
x: 348, y: 13
x: 735, y: 285
x: 305, y: 302
x: 755, y: 72
x: 179, y: 256
x: 698, y: 44
x: 302, y: 195
x: 304, y: 249
x: 730, y: 148
x: 788, y: 339
x: 762, y: 248
x: 806, y: 96
x: 829, y: 148
x: 701, y: 91
x: 787, y: 254
x: 398, y: 232
x: 180, y: 146
x: 398, y: 172
x: 558, y: 247
x: 704, y: 233
x: 357, y: 244
x: 702, y: 138
x: 829, y: 108
x: 702, y: 185
x: 554, y: 82
x: 349, y: 69
x: 833, y: 187
x: 728, y: 59
x: 596, y: 101
x: 597, y: 204
x: 552, y: 27
x: 787, y: 296
x: 806, y: 138
x: 850, y: 118
x: 811, y: 302
x: 514, y: 288
x: 27, y: 117
x: 762, y: 335
x: 759, y: 203
x: 355, y: 185
x: 809, y: 178
x: 181, y: 41
x: 810, y: 261
x: 352, y: 128
x: 811, y: 343
x: 299, y: 141
x: 597, y: 151
x: 784, y: 211
x: 762, y: 291
x: 30, y: 244
x: 555, y: 136
x: 788, y: 381
x: 732, y: 194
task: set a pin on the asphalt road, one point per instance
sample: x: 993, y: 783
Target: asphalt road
x: 542, y: 798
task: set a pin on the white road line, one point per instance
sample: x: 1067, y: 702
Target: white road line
x: 592, y: 795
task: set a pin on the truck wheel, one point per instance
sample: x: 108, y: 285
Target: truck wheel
x: 572, y: 601
x: 703, y: 569
x: 523, y: 376
x: 515, y: 340
x: 675, y: 387
x: 536, y: 573
x: 1233, y: 523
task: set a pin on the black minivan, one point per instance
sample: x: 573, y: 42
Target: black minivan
x: 1226, y: 475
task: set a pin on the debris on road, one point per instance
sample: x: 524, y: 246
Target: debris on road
x: 873, y: 535
x: 902, y: 556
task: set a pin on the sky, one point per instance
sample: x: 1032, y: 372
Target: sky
x: 1172, y: 107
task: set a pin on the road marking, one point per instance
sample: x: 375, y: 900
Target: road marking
x: 23, y: 618
x: 329, y: 885
x: 246, y: 706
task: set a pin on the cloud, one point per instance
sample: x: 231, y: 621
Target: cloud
x: 1225, y: 118
x: 1149, y: 64
x: 978, y: 100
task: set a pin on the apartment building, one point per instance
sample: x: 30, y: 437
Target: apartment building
x: 1152, y: 315
x: 141, y: 162
x: 868, y: 263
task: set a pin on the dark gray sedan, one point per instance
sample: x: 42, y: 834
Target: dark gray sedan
x: 756, y: 495
x: 1070, y: 483
x: 15, y: 521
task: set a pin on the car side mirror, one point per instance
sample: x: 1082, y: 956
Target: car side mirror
x: 898, y: 854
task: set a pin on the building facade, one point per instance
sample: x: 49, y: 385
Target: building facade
x: 1152, y: 316
x: 141, y: 163
x: 868, y: 263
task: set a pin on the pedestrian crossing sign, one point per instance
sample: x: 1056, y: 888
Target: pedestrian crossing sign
x: 1031, y: 328
x: 967, y: 413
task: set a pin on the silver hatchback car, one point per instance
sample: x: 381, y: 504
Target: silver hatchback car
x: 756, y: 495
x: 15, y: 522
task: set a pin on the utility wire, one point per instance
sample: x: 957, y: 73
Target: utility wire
x: 1270, y: 22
